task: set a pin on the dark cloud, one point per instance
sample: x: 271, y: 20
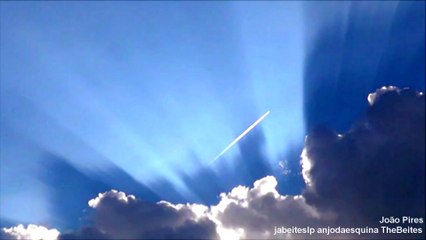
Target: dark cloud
x: 377, y: 168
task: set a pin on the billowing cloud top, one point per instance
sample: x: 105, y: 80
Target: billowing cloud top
x: 120, y: 196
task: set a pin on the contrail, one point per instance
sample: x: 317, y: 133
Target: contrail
x: 241, y: 135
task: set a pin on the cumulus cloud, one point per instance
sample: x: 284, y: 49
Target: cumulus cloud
x: 122, y: 216
x: 30, y: 232
x: 352, y: 179
x: 254, y: 212
x: 375, y: 169
x: 241, y: 213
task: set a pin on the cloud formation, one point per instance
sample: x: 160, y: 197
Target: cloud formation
x: 352, y: 179
x: 242, y: 213
x: 376, y: 168
x: 253, y: 212
x: 122, y: 216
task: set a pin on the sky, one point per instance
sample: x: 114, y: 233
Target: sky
x: 149, y: 87
x: 140, y: 97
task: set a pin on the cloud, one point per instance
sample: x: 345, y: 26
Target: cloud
x: 241, y: 213
x: 29, y: 232
x: 376, y: 168
x: 253, y: 212
x: 352, y: 179
x: 122, y: 216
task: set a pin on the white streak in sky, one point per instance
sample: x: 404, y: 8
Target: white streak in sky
x: 241, y: 135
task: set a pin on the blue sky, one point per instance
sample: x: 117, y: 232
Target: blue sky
x: 155, y: 90
x: 146, y: 86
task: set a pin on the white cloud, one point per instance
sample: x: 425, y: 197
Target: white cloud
x: 253, y: 212
x: 241, y: 213
x: 31, y: 232
x: 120, y: 196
